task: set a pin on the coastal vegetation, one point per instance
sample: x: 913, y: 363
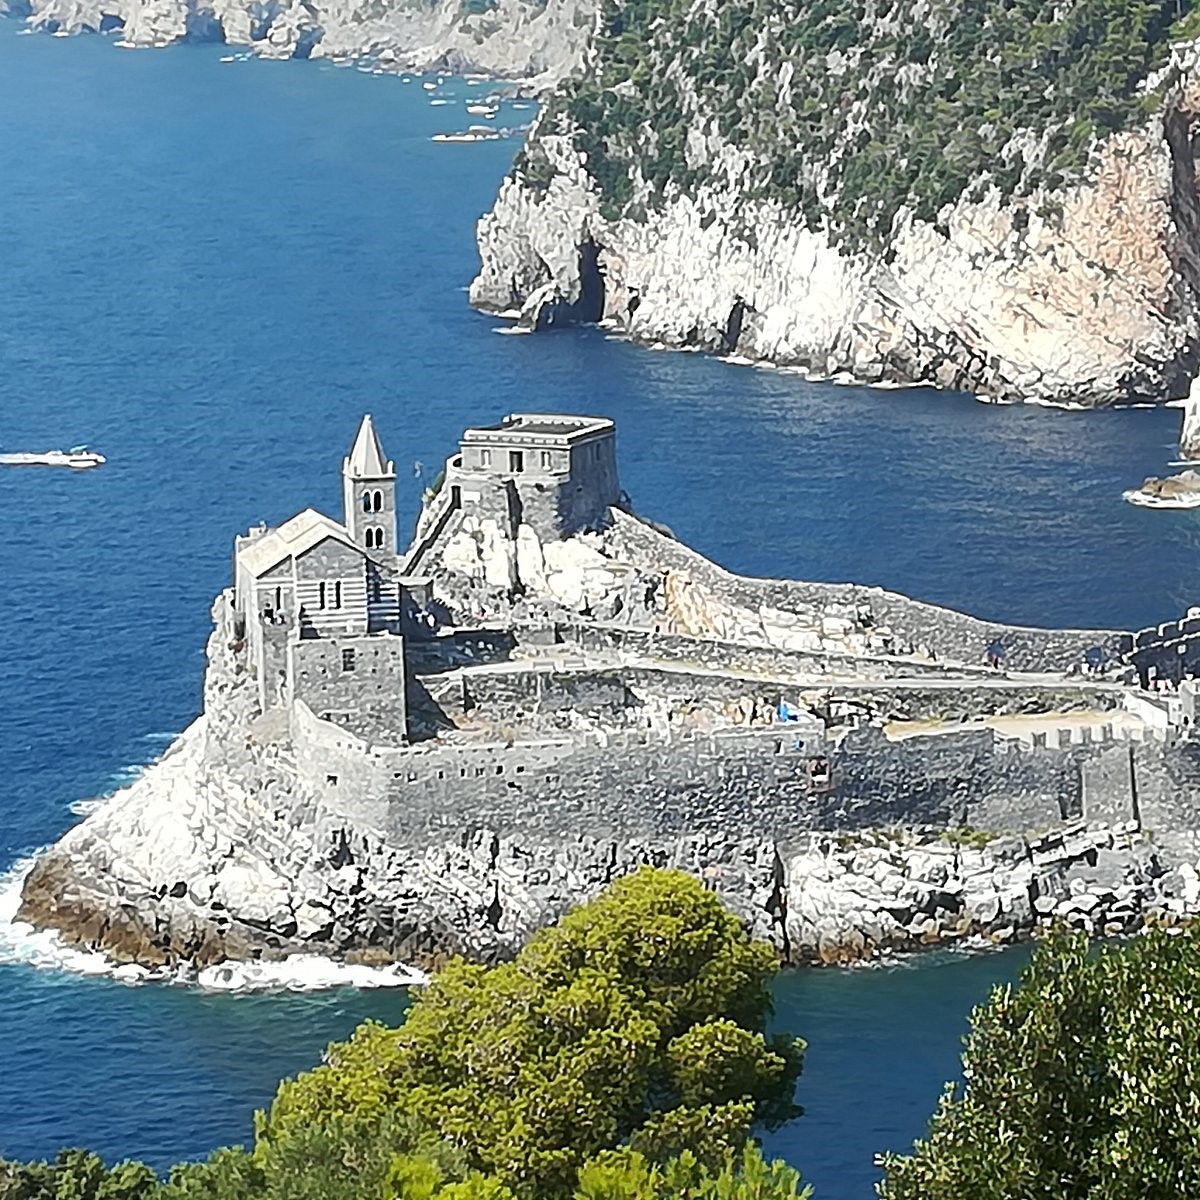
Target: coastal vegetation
x: 622, y: 1055
x: 851, y: 113
x: 1083, y: 1083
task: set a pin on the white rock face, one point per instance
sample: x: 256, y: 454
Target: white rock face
x: 517, y: 39
x: 1094, y: 306
x: 1189, y: 434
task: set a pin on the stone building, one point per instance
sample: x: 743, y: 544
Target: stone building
x: 320, y: 602
x: 557, y: 474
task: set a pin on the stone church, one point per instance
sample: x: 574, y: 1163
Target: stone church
x: 321, y: 601
x: 327, y: 608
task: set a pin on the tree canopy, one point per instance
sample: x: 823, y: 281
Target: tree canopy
x: 1082, y: 1083
x: 623, y: 1055
x: 847, y: 111
x: 638, y: 1020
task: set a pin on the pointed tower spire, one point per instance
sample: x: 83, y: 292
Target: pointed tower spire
x: 366, y: 459
x: 369, y: 493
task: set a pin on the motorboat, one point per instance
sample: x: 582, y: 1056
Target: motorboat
x: 1174, y: 491
x: 80, y: 458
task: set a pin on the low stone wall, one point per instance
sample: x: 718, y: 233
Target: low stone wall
x: 950, y: 635
x: 735, y: 657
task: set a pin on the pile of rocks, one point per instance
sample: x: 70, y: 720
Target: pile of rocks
x: 851, y: 897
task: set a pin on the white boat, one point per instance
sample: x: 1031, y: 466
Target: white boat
x: 1146, y: 500
x: 429, y: 87
x: 78, y: 459
x: 1175, y: 491
x: 481, y: 110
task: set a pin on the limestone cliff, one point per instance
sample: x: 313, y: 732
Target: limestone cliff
x: 888, y: 190
x: 534, y: 40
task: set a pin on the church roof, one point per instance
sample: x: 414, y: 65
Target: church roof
x: 366, y: 459
x: 294, y: 537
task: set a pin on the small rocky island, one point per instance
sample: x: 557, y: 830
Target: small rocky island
x: 1171, y: 491
x: 409, y: 753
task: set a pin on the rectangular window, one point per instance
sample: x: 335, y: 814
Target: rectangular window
x: 485, y: 458
x: 337, y: 594
x: 516, y: 461
x: 546, y: 460
x: 321, y: 595
x: 348, y: 659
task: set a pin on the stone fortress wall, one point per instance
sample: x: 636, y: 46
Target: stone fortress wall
x: 541, y: 725
x: 951, y: 636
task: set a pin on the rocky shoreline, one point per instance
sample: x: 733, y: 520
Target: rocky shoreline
x: 1098, y: 308
x: 218, y: 854
x: 529, y: 41
x: 558, y: 692
x: 843, y: 898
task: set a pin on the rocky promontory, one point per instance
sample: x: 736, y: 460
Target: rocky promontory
x: 537, y: 41
x: 1002, y: 202
x: 816, y: 753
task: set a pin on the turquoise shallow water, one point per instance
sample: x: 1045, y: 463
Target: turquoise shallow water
x: 209, y: 271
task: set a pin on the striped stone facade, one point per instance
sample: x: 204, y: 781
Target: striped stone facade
x: 320, y: 602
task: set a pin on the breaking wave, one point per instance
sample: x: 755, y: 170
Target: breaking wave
x: 124, y: 776
x: 21, y: 944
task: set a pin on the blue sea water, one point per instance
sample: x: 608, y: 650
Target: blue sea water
x: 208, y: 271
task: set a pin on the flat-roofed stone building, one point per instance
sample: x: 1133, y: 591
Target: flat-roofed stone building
x: 554, y: 473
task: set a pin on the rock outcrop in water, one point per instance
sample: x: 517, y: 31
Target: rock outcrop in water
x: 534, y: 40
x: 1173, y: 491
x: 893, y: 191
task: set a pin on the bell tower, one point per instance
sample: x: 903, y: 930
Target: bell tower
x: 369, y: 493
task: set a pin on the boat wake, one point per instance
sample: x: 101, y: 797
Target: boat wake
x: 23, y: 945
